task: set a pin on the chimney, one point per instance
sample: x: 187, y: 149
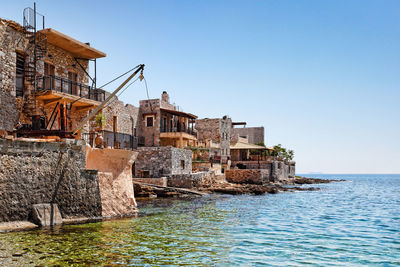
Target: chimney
x: 165, y: 97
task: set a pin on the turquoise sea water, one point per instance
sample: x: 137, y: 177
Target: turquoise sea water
x: 352, y: 223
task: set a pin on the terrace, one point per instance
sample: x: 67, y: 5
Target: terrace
x: 176, y: 128
x: 65, y: 86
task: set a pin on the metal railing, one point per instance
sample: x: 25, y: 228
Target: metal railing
x: 30, y: 19
x: 70, y: 87
x: 176, y: 130
x: 112, y: 140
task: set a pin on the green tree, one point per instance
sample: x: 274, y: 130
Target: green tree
x: 281, y: 152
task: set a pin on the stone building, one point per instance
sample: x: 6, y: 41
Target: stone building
x: 47, y: 103
x: 164, y: 134
x: 251, y: 164
x: 254, y: 135
x: 161, y: 124
x: 216, y: 135
x: 158, y: 162
x: 65, y: 92
x: 120, y: 127
x: 63, y: 95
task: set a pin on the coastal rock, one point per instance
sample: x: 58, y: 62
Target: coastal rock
x: 305, y: 180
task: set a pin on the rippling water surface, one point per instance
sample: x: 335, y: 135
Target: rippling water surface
x: 349, y: 223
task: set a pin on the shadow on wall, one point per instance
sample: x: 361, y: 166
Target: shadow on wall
x: 115, y: 179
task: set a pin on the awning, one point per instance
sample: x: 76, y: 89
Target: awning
x: 77, y: 48
x: 241, y: 145
x: 179, y: 113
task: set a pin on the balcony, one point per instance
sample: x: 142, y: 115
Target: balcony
x: 58, y: 84
x: 177, y: 130
x: 113, y: 140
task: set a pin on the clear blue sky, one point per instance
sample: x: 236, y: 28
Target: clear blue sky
x: 322, y: 77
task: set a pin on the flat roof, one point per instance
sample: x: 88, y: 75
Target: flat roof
x: 241, y: 145
x: 77, y: 48
x: 179, y: 113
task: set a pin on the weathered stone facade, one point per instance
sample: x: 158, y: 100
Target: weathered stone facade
x: 30, y: 171
x: 11, y: 40
x: 126, y: 116
x: 276, y: 171
x: 120, y: 128
x: 248, y: 176
x: 8, y: 111
x: 16, y: 44
x: 150, y: 134
x: 161, y: 124
x: 218, y: 131
x: 163, y: 161
x: 254, y: 135
x: 191, y: 180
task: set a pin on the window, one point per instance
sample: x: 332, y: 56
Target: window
x: 115, y: 129
x: 49, y: 72
x: 164, y: 125
x: 19, y: 78
x: 182, y: 164
x: 149, y: 121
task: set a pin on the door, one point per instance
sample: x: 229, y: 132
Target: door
x: 49, y: 73
x: 115, y: 131
x: 164, y: 125
x: 72, y: 83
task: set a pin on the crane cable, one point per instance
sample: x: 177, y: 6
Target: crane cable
x: 116, y: 97
x: 118, y: 77
x: 113, y: 80
x: 147, y: 92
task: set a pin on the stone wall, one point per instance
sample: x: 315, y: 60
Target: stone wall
x: 208, y: 129
x: 225, y: 132
x: 278, y: 171
x: 64, y: 62
x: 11, y: 40
x: 115, y: 179
x: 201, y: 166
x: 163, y: 161
x: 9, y: 114
x: 29, y: 172
x: 163, y: 181
x: 218, y: 131
x: 254, y: 134
x: 127, y: 117
x: 248, y: 176
x: 191, y: 180
x: 151, y: 134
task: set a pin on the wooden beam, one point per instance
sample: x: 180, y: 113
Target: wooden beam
x: 83, y: 108
x: 51, y: 101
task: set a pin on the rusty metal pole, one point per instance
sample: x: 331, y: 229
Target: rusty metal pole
x: 34, y: 55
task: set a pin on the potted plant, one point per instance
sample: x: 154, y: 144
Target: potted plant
x: 100, y: 120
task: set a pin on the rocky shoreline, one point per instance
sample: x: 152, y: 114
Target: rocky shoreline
x: 223, y: 187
